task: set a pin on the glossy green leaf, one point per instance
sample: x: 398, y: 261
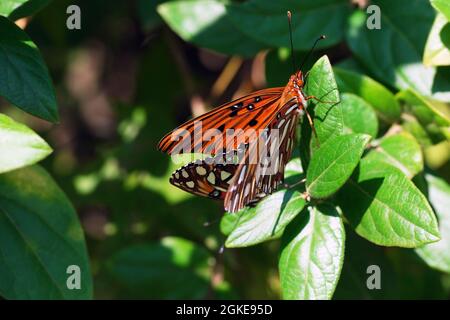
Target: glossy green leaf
x: 206, y: 23
x: 265, y: 20
x: 19, y: 145
x: 16, y: 9
x: 328, y: 116
x: 379, y: 97
x: 24, y: 78
x: 40, y: 237
x: 437, y: 255
x: 386, y: 208
x: 266, y: 221
x: 293, y: 173
x: 433, y: 115
x: 442, y: 6
x: 401, y: 151
x: 426, y: 110
x: 312, y: 253
x: 411, y: 125
x: 333, y: 163
x: 436, y: 53
x: 359, y: 116
x: 173, y: 268
x: 398, y: 61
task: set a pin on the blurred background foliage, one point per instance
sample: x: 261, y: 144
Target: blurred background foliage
x: 136, y: 69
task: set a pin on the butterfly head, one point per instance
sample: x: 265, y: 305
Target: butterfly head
x: 298, y: 80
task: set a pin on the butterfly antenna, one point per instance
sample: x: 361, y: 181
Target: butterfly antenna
x: 312, y: 49
x: 289, y: 16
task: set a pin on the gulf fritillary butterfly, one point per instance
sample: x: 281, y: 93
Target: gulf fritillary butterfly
x: 242, y: 182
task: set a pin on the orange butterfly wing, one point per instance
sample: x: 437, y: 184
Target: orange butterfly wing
x: 253, y: 111
x: 252, y: 178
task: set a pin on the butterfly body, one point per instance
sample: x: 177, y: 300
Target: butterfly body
x: 263, y: 123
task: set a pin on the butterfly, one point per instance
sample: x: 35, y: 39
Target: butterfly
x: 245, y: 181
x: 265, y: 120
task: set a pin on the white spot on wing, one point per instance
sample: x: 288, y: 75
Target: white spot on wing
x: 201, y: 171
x: 190, y: 184
x: 211, y: 178
x: 224, y: 175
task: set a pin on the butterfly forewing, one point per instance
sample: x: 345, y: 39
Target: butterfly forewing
x: 211, y: 131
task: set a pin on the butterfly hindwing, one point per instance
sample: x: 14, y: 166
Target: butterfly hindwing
x: 204, y: 178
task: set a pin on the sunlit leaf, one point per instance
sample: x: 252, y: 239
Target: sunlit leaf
x: 312, y: 253
x: 437, y: 255
x: 19, y: 145
x: 386, y: 208
x: 333, y: 163
x: 264, y: 222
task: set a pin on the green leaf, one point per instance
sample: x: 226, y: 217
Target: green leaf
x: 312, y: 253
x: 359, y: 116
x: 386, y: 208
x: 265, y: 21
x: 411, y: 125
x: 437, y: 255
x: 173, y: 268
x: 401, y: 151
x: 444, y: 35
x: 40, y: 237
x: 370, y: 90
x: 207, y: 24
x: 428, y: 111
x: 436, y: 53
x: 333, y: 163
x: 19, y: 145
x: 402, y: 275
x: 433, y: 115
x: 16, y: 9
x: 24, y: 78
x: 328, y: 116
x: 443, y: 6
x: 398, y: 61
x: 360, y: 254
x: 266, y: 221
